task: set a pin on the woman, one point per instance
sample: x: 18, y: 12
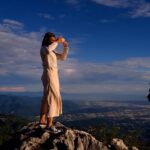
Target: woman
x: 51, y: 104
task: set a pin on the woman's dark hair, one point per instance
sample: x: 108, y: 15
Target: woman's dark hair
x: 46, y: 40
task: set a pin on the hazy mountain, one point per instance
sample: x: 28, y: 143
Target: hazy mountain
x: 27, y: 106
x: 129, y: 120
x: 24, y: 105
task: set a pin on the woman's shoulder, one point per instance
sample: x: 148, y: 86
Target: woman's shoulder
x: 44, y: 50
x: 44, y: 47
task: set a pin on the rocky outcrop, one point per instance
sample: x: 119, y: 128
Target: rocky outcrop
x: 119, y: 144
x: 33, y: 137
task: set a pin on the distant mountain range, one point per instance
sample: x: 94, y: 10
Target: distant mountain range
x: 124, y: 118
x: 87, y: 96
x: 27, y: 106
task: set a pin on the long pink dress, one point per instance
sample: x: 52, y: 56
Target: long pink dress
x: 51, y: 103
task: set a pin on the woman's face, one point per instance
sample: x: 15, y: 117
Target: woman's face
x: 52, y: 39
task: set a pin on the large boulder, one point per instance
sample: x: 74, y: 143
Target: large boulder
x: 33, y: 137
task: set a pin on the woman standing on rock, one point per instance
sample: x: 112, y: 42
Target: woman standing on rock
x: 51, y: 104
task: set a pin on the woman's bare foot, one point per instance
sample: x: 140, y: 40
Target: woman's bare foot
x: 49, y: 121
x: 42, y: 119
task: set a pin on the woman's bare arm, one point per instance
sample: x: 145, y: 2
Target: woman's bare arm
x: 52, y: 46
x: 64, y: 54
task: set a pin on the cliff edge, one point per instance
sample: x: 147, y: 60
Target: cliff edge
x: 33, y: 137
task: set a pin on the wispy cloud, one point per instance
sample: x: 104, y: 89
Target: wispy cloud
x: 19, y: 52
x: 21, y: 65
x: 135, y: 8
x: 12, y: 89
x: 9, y: 25
x: 112, y: 3
x: 142, y: 10
x: 14, y: 23
x: 46, y: 16
x: 126, y: 76
x: 20, y: 60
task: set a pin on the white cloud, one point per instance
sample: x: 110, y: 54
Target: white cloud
x: 12, y: 23
x: 19, y: 53
x: 20, y: 57
x: 136, y: 9
x: 119, y: 77
x: 12, y: 89
x: 20, y: 60
x: 134, y: 63
x: 142, y: 10
x: 9, y: 25
x: 105, y: 88
x: 112, y: 3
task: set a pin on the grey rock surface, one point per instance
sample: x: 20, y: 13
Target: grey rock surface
x: 33, y: 137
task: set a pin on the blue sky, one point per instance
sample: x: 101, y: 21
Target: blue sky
x: 108, y: 40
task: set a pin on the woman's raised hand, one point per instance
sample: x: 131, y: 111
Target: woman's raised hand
x: 59, y: 39
x: 65, y: 44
